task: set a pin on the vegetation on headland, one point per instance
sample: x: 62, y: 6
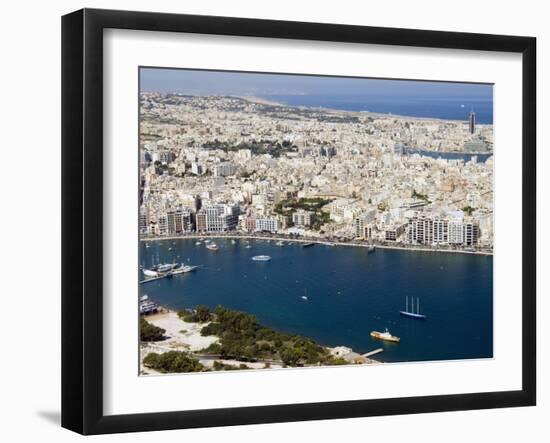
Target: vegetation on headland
x: 150, y: 332
x: 172, y: 361
x: 201, y: 314
x: 243, y: 338
x: 219, y: 366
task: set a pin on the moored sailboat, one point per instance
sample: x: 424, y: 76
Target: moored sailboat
x: 412, y: 313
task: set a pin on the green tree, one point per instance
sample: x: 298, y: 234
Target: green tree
x: 172, y: 361
x: 201, y: 314
x: 150, y: 332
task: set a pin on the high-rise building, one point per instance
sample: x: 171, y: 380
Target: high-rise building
x: 267, y: 224
x: 180, y: 221
x: 303, y: 218
x: 435, y: 230
x: 472, y: 122
x: 197, y: 168
x: 162, y: 226
x: 440, y: 230
x: 456, y: 232
x: 200, y: 220
x: 363, y: 221
x: 420, y: 230
x: 224, y: 169
x: 250, y: 224
x: 218, y: 217
x: 471, y: 234
x: 143, y: 221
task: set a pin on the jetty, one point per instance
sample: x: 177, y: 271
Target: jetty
x: 148, y: 280
x: 371, y: 353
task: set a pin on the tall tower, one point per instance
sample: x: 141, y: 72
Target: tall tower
x: 472, y: 122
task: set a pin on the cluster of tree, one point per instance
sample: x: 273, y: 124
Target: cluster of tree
x: 321, y: 219
x: 172, y: 361
x: 216, y: 144
x: 247, y: 174
x: 286, y: 207
x: 282, y: 113
x: 257, y: 147
x: 419, y: 196
x: 150, y: 332
x: 160, y: 168
x: 201, y: 314
x: 468, y: 210
x: 219, y: 366
x: 242, y: 337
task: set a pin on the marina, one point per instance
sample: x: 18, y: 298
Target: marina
x: 158, y: 272
x: 147, y: 306
x: 349, y: 293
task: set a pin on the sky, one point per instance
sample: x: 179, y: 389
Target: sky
x: 199, y: 82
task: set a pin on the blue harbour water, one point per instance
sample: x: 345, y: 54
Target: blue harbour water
x: 350, y: 293
x: 480, y: 158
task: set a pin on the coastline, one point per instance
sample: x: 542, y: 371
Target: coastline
x: 312, y: 240
x: 265, y: 101
x: 185, y: 337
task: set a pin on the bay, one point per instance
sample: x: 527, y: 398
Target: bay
x: 349, y: 293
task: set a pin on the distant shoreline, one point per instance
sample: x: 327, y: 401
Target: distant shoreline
x: 314, y: 240
x: 267, y: 101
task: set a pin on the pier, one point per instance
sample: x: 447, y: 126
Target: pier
x: 371, y: 353
x: 147, y: 280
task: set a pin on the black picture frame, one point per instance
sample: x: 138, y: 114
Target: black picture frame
x: 82, y: 215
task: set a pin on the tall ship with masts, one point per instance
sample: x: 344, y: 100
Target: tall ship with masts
x: 412, y: 312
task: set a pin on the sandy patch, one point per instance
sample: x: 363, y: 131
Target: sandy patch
x: 181, y: 335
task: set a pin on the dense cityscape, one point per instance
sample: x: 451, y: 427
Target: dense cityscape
x: 228, y: 165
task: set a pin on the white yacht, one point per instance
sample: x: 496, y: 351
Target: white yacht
x: 261, y: 258
x: 183, y: 269
x: 149, y: 273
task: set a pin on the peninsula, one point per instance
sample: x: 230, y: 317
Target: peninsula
x: 221, y: 165
x: 201, y: 340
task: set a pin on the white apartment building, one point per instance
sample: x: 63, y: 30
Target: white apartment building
x: 363, y: 222
x: 224, y: 169
x: 267, y: 224
x: 198, y: 168
x: 430, y: 230
x: 162, y: 225
x: 456, y: 232
x: 144, y: 221
x: 217, y: 218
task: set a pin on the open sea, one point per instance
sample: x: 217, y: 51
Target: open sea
x: 350, y: 293
x: 441, y: 107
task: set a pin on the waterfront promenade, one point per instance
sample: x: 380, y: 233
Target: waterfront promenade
x: 323, y: 241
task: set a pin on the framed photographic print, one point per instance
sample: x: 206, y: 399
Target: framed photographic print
x: 270, y: 221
